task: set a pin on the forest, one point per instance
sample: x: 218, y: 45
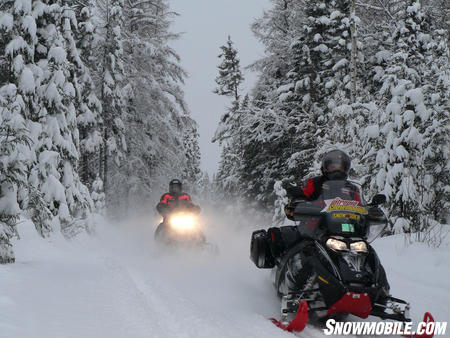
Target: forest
x: 93, y: 119
x: 368, y: 77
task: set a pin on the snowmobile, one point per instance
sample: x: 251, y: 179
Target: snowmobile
x: 324, y: 267
x: 181, y: 228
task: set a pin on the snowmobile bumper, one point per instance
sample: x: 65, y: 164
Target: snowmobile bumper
x: 355, y: 303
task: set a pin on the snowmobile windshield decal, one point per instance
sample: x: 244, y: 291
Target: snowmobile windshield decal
x: 346, y: 227
x: 350, y: 216
x: 338, y: 204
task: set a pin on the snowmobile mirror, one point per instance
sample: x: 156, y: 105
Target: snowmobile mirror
x: 378, y: 199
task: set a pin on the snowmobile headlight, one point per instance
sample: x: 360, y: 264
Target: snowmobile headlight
x: 336, y: 244
x: 358, y: 246
x: 182, y: 222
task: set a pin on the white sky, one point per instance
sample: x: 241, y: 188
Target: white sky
x: 206, y: 25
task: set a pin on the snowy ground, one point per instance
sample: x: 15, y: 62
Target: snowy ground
x: 118, y: 284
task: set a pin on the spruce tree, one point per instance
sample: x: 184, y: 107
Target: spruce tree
x: 192, y: 173
x: 157, y: 119
x: 19, y: 42
x: 89, y: 108
x: 14, y: 148
x: 111, y: 83
x: 55, y: 172
x: 401, y: 161
x: 437, y: 132
x: 230, y: 75
x: 228, y: 132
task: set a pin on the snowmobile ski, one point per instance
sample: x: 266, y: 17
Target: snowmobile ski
x: 298, y: 323
x: 427, y: 318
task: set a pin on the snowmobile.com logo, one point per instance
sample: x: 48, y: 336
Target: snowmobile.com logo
x: 383, y: 328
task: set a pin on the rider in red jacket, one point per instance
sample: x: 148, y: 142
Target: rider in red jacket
x: 172, y: 199
x: 175, y: 199
x: 335, y: 166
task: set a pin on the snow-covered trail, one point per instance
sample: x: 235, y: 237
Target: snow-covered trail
x: 119, y: 284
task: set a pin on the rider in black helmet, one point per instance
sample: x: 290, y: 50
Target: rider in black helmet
x: 173, y: 200
x: 335, y: 166
x: 175, y: 187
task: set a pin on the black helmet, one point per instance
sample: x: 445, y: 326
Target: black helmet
x: 175, y: 186
x: 336, y: 165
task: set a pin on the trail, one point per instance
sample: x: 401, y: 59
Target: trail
x: 118, y: 283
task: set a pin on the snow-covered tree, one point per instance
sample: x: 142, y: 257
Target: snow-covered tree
x: 14, y: 148
x: 98, y: 195
x: 437, y: 133
x: 89, y: 108
x: 156, y: 117
x: 192, y: 173
x: 55, y: 172
x: 111, y: 78
x: 43, y: 64
x: 228, y: 133
x: 230, y: 76
x: 402, y: 173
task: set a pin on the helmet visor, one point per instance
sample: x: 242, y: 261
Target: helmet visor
x: 175, y: 188
x: 336, y: 162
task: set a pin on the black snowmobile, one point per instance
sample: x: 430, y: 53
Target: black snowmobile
x: 180, y: 225
x: 324, y: 267
x: 180, y: 228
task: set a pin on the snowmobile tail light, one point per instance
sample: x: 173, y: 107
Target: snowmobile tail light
x: 358, y: 246
x: 336, y: 244
x: 182, y: 222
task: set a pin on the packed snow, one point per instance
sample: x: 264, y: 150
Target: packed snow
x: 119, y: 283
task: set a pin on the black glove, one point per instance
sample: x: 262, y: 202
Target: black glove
x: 292, y: 191
x: 286, y: 184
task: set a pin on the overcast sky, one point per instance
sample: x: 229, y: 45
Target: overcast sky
x: 206, y: 25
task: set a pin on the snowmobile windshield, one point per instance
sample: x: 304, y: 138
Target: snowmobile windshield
x: 340, y: 210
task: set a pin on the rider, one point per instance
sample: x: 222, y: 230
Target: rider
x: 335, y: 166
x: 173, y: 199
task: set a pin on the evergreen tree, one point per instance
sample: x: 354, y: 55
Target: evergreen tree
x: 43, y: 62
x: 228, y: 133
x: 192, y: 173
x: 14, y: 143
x: 54, y: 174
x: 230, y: 75
x: 401, y: 160
x: 111, y: 83
x: 97, y: 195
x: 157, y: 120
x: 88, y: 106
x: 305, y: 78
x: 437, y: 132
x: 21, y: 77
